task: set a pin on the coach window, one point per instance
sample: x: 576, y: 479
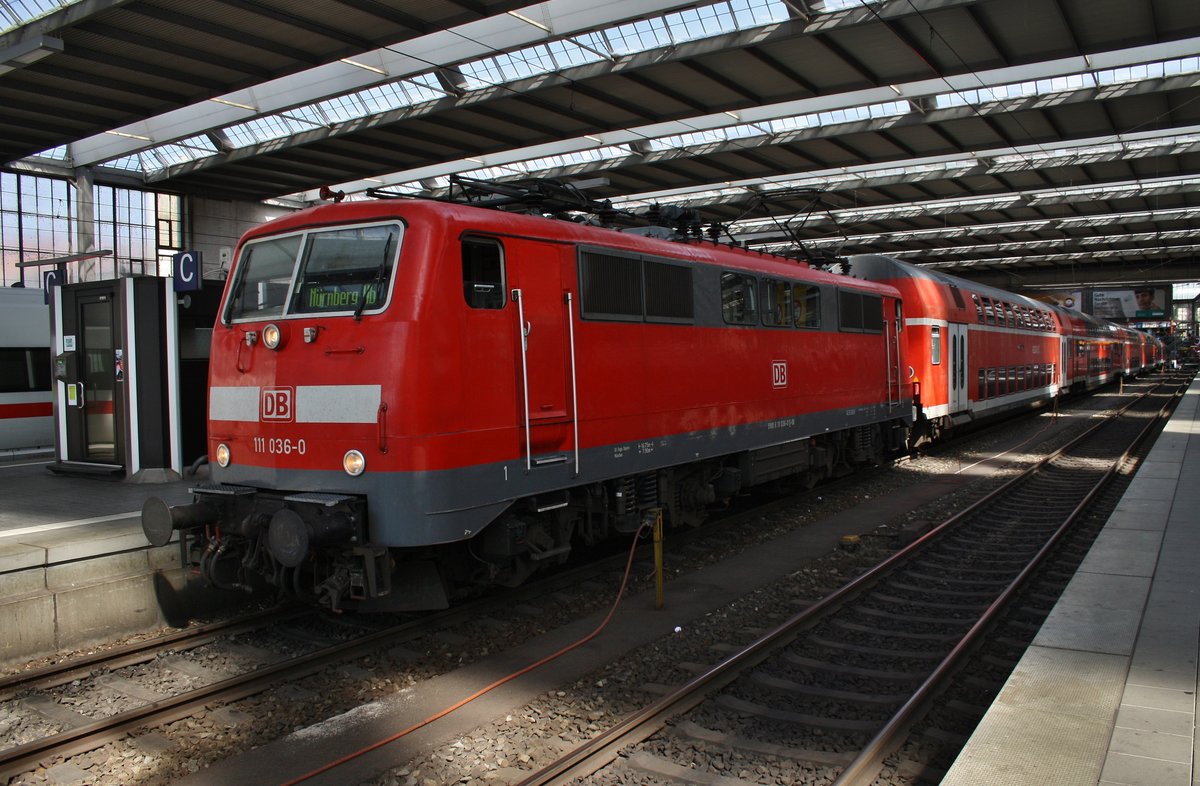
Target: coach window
x: 978, y: 307
x: 989, y: 312
x: 935, y: 351
x: 806, y: 306
x: 991, y: 382
x: 982, y: 385
x: 776, y: 303
x: 738, y: 304
x: 483, y: 272
x: 24, y: 370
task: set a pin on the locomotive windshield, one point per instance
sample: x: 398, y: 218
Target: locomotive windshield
x: 347, y: 270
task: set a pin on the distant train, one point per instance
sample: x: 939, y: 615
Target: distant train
x: 26, y: 409
x: 976, y: 351
x: 410, y: 399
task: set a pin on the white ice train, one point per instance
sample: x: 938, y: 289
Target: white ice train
x: 26, y: 409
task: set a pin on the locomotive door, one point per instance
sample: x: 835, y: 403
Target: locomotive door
x: 957, y: 383
x: 542, y: 331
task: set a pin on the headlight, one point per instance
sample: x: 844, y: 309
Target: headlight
x: 272, y: 336
x: 354, y: 463
x: 222, y: 455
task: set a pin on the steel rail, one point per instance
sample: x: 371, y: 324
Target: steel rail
x: 865, y: 767
x: 141, y: 651
x: 594, y: 753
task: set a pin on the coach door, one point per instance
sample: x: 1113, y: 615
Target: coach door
x: 958, y: 376
x: 542, y: 308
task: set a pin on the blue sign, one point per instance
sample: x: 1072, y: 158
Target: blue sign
x: 187, y: 271
x: 51, y: 278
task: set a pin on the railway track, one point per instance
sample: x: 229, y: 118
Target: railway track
x: 51, y: 695
x: 169, y: 677
x: 826, y: 696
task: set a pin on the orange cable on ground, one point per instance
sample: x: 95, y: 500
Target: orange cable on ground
x: 489, y: 688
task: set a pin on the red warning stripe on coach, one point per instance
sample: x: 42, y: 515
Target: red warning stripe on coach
x: 39, y: 409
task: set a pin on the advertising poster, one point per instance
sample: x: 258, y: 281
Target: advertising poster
x: 1130, y: 303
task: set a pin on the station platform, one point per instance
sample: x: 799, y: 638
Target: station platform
x: 75, y: 567
x: 1107, y: 692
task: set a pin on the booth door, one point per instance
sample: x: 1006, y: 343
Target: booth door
x: 91, y: 386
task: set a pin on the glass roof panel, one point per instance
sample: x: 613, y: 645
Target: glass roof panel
x: 14, y: 13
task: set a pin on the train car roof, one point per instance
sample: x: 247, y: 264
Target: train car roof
x: 487, y: 220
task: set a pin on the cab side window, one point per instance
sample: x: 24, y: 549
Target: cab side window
x: 483, y: 273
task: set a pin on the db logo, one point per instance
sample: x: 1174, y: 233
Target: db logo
x: 276, y: 404
x: 779, y: 373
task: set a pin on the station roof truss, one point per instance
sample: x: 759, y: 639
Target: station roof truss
x: 973, y: 135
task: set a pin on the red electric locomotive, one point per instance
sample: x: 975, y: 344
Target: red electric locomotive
x: 409, y: 398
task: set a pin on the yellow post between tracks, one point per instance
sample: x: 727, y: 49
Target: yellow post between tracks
x: 658, y: 559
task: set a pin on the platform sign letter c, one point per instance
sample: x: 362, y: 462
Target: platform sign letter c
x: 779, y: 373
x: 187, y: 271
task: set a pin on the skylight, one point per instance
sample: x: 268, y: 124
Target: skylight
x: 14, y: 13
x: 498, y: 70
x: 1062, y: 84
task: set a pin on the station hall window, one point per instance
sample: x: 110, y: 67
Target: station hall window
x: 483, y: 273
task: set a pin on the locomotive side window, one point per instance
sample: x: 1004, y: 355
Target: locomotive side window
x: 806, y: 305
x: 346, y: 270
x: 858, y: 311
x: 611, y: 286
x: 264, y: 275
x: 483, y: 273
x: 935, y: 350
x: 777, y: 303
x: 738, y: 303
x: 872, y: 313
x: 850, y: 316
x: 669, y: 292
